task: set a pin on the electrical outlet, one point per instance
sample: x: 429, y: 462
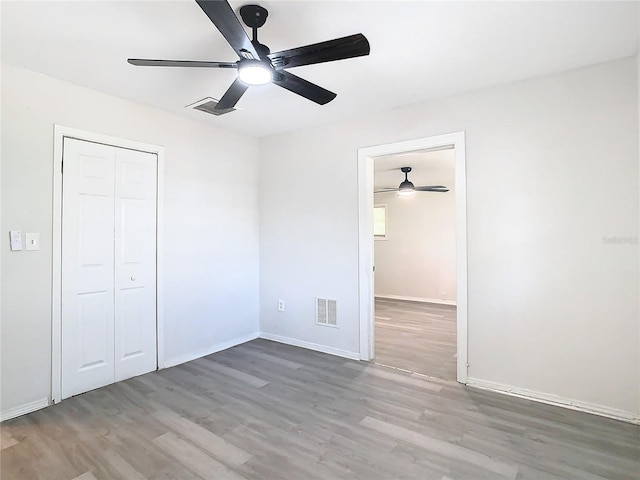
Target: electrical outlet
x: 281, y: 305
x: 32, y: 241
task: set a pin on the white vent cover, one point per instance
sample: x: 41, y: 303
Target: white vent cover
x: 326, y: 312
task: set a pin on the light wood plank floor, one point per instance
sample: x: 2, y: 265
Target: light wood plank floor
x: 268, y: 411
x: 419, y: 337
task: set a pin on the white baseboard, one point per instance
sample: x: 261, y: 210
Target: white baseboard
x: 418, y: 299
x: 311, y: 346
x: 24, y: 409
x: 172, y: 362
x: 555, y: 400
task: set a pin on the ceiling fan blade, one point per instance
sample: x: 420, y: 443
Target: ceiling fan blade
x: 432, y: 188
x: 338, y: 49
x: 232, y: 95
x: 306, y: 89
x: 225, y: 20
x: 385, y: 190
x: 145, y: 62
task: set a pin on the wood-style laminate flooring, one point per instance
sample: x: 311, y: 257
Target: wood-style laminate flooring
x: 419, y: 337
x: 265, y: 411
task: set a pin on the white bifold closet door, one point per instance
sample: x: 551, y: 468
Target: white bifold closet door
x: 108, y: 265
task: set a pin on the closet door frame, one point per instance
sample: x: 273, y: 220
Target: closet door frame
x: 60, y: 133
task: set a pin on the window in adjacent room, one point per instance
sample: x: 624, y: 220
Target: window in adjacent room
x: 379, y: 222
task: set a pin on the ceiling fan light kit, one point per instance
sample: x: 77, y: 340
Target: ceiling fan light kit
x: 256, y: 64
x: 255, y: 72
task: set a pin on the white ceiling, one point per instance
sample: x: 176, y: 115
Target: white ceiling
x: 419, y: 50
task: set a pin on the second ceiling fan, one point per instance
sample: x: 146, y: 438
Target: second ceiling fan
x: 407, y: 187
x: 256, y: 64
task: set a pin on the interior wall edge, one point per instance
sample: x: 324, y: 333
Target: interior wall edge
x: 555, y: 400
x: 416, y: 299
x: 24, y: 409
x: 311, y: 346
x: 172, y: 362
x: 180, y: 359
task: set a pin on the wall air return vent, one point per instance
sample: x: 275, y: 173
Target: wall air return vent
x: 326, y: 312
x: 208, y: 105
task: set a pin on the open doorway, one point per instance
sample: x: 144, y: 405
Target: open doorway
x: 441, y: 303
x: 415, y: 262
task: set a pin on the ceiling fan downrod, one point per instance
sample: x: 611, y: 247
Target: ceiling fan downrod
x: 254, y: 17
x: 406, y: 186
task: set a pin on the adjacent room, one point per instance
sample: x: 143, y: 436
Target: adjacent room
x: 415, y: 262
x: 191, y: 227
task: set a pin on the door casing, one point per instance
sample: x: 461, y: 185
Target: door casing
x: 366, y: 292
x: 61, y: 132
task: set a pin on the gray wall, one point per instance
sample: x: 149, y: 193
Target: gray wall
x: 210, y: 234
x: 552, y: 168
x: 417, y: 258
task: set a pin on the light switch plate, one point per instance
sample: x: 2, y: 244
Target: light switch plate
x: 16, y: 240
x: 32, y: 241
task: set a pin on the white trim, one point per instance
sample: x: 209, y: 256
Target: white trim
x: 160, y: 261
x: 60, y: 132
x: 555, y: 400
x: 56, y: 280
x: 172, y: 362
x: 366, y: 241
x: 365, y: 238
x: 24, y: 409
x: 417, y: 299
x: 638, y: 97
x: 311, y: 346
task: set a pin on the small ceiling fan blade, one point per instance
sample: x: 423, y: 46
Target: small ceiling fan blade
x: 225, y: 20
x: 232, y: 95
x: 385, y: 190
x: 432, y: 188
x: 145, y: 62
x: 302, y: 87
x: 338, y: 49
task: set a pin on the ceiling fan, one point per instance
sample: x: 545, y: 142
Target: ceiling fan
x: 257, y: 65
x: 407, y: 187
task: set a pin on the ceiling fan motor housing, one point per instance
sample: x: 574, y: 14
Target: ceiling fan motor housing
x: 406, y: 185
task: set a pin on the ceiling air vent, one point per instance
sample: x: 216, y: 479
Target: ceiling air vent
x: 326, y: 312
x: 208, y: 105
